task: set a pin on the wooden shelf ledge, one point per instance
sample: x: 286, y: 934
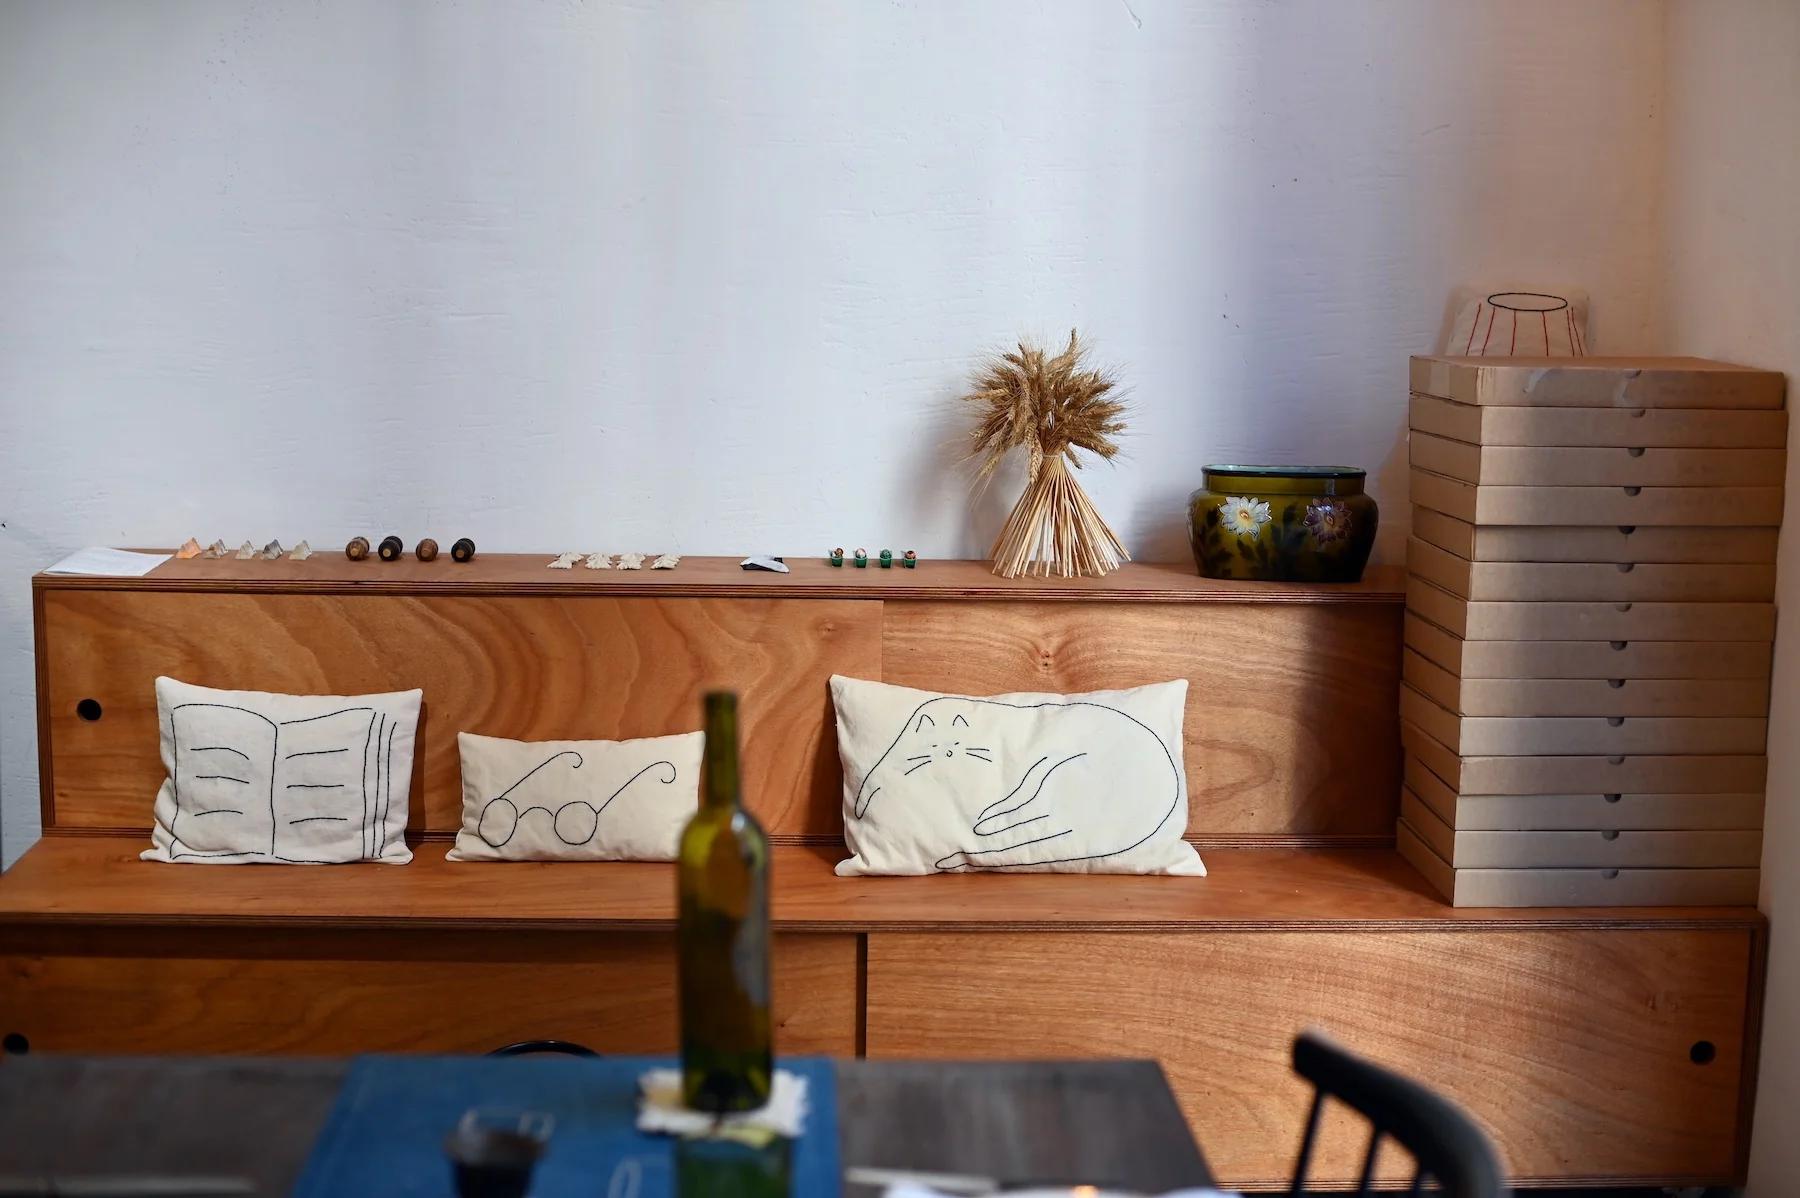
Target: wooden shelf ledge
x: 521, y: 574
x: 98, y: 880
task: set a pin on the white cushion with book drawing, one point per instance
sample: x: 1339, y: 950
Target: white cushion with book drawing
x: 1088, y: 783
x: 285, y: 779
x: 576, y: 800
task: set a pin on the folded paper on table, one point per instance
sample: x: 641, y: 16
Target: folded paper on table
x: 113, y: 563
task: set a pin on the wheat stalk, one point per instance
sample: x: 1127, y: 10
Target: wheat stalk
x: 1051, y: 407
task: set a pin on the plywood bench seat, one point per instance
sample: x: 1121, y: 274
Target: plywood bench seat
x: 99, y: 880
x: 1611, y: 1046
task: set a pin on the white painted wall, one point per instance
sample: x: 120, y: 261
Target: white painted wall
x: 1733, y: 262
x: 702, y: 276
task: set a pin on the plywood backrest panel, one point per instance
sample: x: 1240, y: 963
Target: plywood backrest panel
x: 530, y: 669
x: 1291, y: 728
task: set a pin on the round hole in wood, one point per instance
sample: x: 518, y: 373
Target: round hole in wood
x: 1615, y: 761
x: 1615, y: 720
x: 1615, y: 683
x: 1621, y: 607
x: 1609, y: 834
x: 1632, y: 490
x: 1627, y: 567
x: 1618, y: 645
x: 1636, y: 452
x: 1627, y: 529
x: 1609, y: 874
x: 89, y: 710
x: 15, y: 1044
x: 1702, y: 1052
x: 1613, y: 798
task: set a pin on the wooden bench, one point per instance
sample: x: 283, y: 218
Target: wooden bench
x: 1598, y: 1046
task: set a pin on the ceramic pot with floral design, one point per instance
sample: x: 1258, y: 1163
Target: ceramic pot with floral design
x: 1282, y: 523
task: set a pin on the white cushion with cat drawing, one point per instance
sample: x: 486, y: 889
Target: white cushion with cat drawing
x: 576, y: 800
x: 288, y: 779
x: 1088, y: 783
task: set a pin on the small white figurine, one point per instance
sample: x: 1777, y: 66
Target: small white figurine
x: 216, y: 549
x: 566, y: 561
x: 246, y: 551
x: 631, y: 561
x: 189, y: 548
x: 301, y: 552
x: 599, y: 561
x: 666, y: 561
x: 272, y: 550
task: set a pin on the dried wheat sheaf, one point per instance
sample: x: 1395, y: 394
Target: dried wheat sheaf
x: 1050, y: 407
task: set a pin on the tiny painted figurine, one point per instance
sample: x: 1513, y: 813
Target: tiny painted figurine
x: 463, y: 550
x: 909, y: 559
x: 836, y: 558
x: 861, y: 560
x: 887, y: 559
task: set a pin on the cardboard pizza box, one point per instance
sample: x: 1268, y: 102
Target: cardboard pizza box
x: 1572, y: 848
x: 1576, y: 736
x: 1616, y: 809
x: 1680, y: 428
x: 1545, y: 582
x: 1637, y: 382
x: 1585, y: 696
x: 1605, y: 887
x: 1483, y: 620
x: 1748, y: 660
x: 1753, y: 507
x: 1593, y: 466
x: 1618, y: 773
x: 1594, y: 544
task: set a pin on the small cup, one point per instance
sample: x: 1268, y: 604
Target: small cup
x: 494, y: 1150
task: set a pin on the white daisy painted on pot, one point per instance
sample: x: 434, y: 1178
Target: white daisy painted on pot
x: 1243, y: 515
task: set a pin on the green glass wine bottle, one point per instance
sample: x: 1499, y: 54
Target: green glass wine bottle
x: 723, y: 882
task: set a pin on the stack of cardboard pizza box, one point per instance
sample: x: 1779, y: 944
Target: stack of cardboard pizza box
x: 1589, y: 624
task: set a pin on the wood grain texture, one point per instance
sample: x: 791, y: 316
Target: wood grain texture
x: 1571, y: 1047
x: 177, y: 991
x: 528, y: 669
x: 95, y: 880
x: 522, y: 574
x: 1291, y: 712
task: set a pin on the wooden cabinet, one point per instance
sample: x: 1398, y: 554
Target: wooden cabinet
x: 1588, y: 1054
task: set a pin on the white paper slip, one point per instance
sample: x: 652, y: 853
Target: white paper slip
x: 120, y: 563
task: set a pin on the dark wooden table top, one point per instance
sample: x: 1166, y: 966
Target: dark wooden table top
x: 1107, y: 1123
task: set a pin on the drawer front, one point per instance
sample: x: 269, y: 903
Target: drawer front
x: 1506, y: 736
x: 1572, y: 1047
x: 1590, y: 582
x: 1612, y: 810
x: 1608, y: 427
x: 338, y: 993
x: 1586, y: 696
x: 1485, y: 620
x: 1615, y: 774
x: 1597, y: 466
x: 1744, y: 660
x: 1582, y: 848
x: 1643, y: 886
x: 1686, y: 506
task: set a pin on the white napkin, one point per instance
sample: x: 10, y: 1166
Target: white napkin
x: 661, y: 1110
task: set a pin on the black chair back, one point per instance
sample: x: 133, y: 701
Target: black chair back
x: 525, y: 1048
x: 1449, y: 1148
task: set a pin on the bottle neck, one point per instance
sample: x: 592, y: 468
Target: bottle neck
x: 719, y: 779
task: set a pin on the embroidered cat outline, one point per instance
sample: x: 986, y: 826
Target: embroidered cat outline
x: 1084, y: 759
